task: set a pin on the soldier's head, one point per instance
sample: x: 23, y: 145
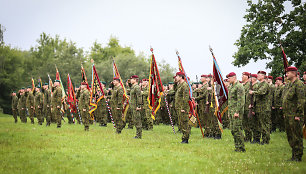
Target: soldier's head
x: 245, y: 77
x: 291, y: 73
x: 14, y: 93
x: 37, y: 88
x: 179, y: 77
x: 46, y: 85
x: 194, y: 85
x: 261, y: 75
x: 203, y: 78
x: 145, y: 82
x: 116, y: 81
x: 200, y: 85
x: 56, y: 83
x: 22, y: 90
x: 278, y: 81
x: 170, y: 84
x: 209, y: 77
x: 304, y: 76
x: 254, y: 78
x: 103, y: 84
x: 29, y: 89
x: 134, y: 79
x: 270, y: 79
x: 232, y: 78
x: 83, y: 85
x: 226, y: 82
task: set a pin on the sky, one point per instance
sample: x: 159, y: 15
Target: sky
x: 188, y: 26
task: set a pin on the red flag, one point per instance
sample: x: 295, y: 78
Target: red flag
x: 125, y: 100
x: 71, y: 98
x: 155, y: 87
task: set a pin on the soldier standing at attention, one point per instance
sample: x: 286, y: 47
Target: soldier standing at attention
x: 201, y: 100
x: 146, y: 110
x: 262, y: 108
x: 38, y: 100
x: 293, y: 110
x: 135, y: 105
x: 116, y: 103
x: 236, y: 101
x: 47, y: 104
x: 56, y: 102
x: 84, y: 105
x: 14, y: 105
x: 182, y: 106
x: 277, y: 104
x: 245, y: 118
x: 22, y: 105
x: 30, y: 104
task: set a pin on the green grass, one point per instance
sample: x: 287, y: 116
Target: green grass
x: 26, y: 148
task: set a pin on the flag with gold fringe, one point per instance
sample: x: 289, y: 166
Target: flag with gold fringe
x: 71, y: 98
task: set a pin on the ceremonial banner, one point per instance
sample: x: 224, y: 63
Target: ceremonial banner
x: 97, y: 92
x: 71, y: 98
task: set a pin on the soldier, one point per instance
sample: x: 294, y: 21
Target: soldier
x: 252, y: 122
x: 201, y: 100
x: 236, y: 101
x: 84, y: 105
x: 129, y: 114
x: 38, y: 101
x: 170, y: 97
x: 245, y: 120
x: 56, y: 102
x: 47, y: 104
x: 14, y: 106
x: 135, y: 105
x: 225, y: 118
x: 116, y: 103
x: 293, y: 109
x: 30, y: 104
x: 277, y: 105
x: 272, y: 118
x: 262, y: 108
x: 148, y: 121
x: 182, y: 106
x: 22, y: 105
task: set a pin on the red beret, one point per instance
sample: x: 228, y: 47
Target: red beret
x: 270, y: 77
x: 203, y: 75
x: 299, y: 73
x: 174, y: 76
x: 134, y: 77
x: 246, y: 73
x: 231, y: 74
x: 304, y: 72
x: 261, y: 72
x: 179, y: 73
x: 83, y: 83
x: 254, y: 75
x: 144, y: 80
x: 116, y: 78
x: 279, y: 78
x: 209, y: 75
x: 225, y: 80
x: 291, y: 68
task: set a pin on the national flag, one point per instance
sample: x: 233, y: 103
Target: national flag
x: 71, y: 98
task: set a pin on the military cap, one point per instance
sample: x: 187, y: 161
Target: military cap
x: 134, y: 77
x: 89, y: 86
x: 270, y: 77
x: 209, y: 75
x: 38, y: 86
x: 145, y: 80
x: 76, y: 86
x: 57, y: 81
x: 83, y: 83
x: 29, y: 86
x: 261, y: 72
x: 116, y: 78
x: 231, y: 74
x: 179, y: 74
x: 170, y: 83
x: 254, y: 75
x: 246, y: 73
x: 23, y: 88
x: 104, y: 83
x: 279, y: 78
x: 14, y: 92
x: 46, y: 84
x: 203, y: 75
x: 195, y: 83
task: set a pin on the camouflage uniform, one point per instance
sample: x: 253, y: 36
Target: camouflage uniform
x: 253, y: 122
x: 47, y: 106
x: 270, y: 116
x: 128, y: 117
x: 135, y: 102
x: 246, y: 120
x: 280, y: 123
x: 14, y: 107
x: 38, y: 100
x: 117, y: 102
x: 214, y: 122
x: 171, y: 101
x: 236, y: 101
x: 84, y: 105
x: 293, y: 106
x: 181, y: 103
x: 101, y: 112
x: 273, y: 111
x: 148, y: 121
x: 201, y: 100
x: 56, y: 102
x: 22, y: 108
x: 30, y: 106
x: 262, y: 110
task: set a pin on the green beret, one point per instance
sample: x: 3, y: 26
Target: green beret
x: 57, y: 81
x: 29, y: 87
x: 104, y: 83
x: 14, y: 91
x: 76, y: 86
x: 38, y: 86
x: 90, y: 86
x: 23, y: 88
x: 46, y: 84
x: 170, y: 83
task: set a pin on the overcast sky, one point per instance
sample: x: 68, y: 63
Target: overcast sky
x: 187, y: 25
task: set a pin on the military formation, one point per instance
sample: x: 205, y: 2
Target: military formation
x: 256, y: 107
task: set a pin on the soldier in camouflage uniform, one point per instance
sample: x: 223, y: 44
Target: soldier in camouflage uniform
x: 271, y: 97
x: 245, y: 119
x: 100, y: 112
x: 236, y: 101
x: 129, y: 114
x: 262, y: 108
x: 148, y: 121
x: 277, y: 105
x: 135, y: 105
x: 47, y: 104
x: 170, y: 98
x: 182, y: 106
x: 14, y: 106
x: 38, y: 101
x: 84, y: 100
x: 200, y: 99
x: 293, y: 108
x: 56, y: 103
x: 30, y: 104
x: 22, y: 105
x: 116, y: 103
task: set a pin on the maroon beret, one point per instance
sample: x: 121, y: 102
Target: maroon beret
x: 203, y: 75
x: 246, y: 73
x: 116, y: 78
x: 304, y: 72
x: 83, y: 83
x: 225, y: 80
x: 145, y: 80
x: 261, y: 72
x: 270, y: 77
x: 179, y: 73
x: 279, y: 78
x: 231, y: 74
x: 291, y: 68
x: 134, y: 77
x: 254, y: 75
x: 209, y: 75
x: 299, y: 73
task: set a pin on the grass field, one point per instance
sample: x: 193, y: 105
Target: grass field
x: 26, y: 148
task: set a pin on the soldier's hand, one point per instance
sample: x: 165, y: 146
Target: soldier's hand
x: 118, y: 108
x: 236, y: 115
x: 250, y: 106
x: 207, y: 102
x: 32, y: 107
x: 182, y: 111
x: 297, y: 118
x: 84, y: 109
x: 253, y: 113
x: 58, y: 107
x: 273, y: 107
x: 281, y: 108
x: 209, y: 88
x: 251, y: 92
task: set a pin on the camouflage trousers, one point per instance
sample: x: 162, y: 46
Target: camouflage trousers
x: 101, y: 114
x: 47, y: 113
x: 225, y: 120
x: 273, y: 120
x: 15, y: 115
x: 56, y: 113
x: 247, y: 126
x: 22, y: 114
x: 39, y: 115
x: 214, y: 126
x: 184, y: 124
x: 117, y: 116
x: 147, y: 119
x: 31, y: 114
x: 236, y: 130
x: 85, y: 118
x: 137, y: 120
x: 264, y: 119
x: 207, y: 125
x: 294, y: 130
x: 129, y: 119
x: 280, y: 121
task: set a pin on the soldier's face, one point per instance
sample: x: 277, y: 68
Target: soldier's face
x: 56, y: 83
x: 203, y: 79
x: 13, y: 94
x: 244, y: 78
x: 291, y: 74
x: 29, y: 89
x: 200, y: 85
x: 232, y: 79
x: 260, y: 77
x: 254, y: 79
x: 270, y: 80
x: 304, y: 77
x: 170, y: 86
x: 133, y: 81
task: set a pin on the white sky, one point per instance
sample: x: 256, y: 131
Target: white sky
x: 187, y: 25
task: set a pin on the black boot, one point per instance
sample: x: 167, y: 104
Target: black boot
x: 86, y: 128
x: 185, y: 141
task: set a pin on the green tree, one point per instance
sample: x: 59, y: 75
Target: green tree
x: 268, y: 25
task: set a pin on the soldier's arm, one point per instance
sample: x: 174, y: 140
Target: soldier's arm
x: 263, y: 90
x: 300, y: 99
x: 185, y: 104
x: 120, y: 98
x: 240, y: 100
x: 139, y: 99
x: 201, y: 96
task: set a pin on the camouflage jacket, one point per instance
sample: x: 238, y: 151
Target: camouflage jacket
x: 246, y: 91
x: 47, y: 99
x: 135, y: 97
x: 117, y: 97
x: 56, y: 99
x: 14, y: 102
x: 22, y: 102
x: 248, y: 97
x: 236, y: 99
x: 30, y: 100
x: 293, y: 99
x: 262, y: 97
x: 182, y: 97
x: 271, y: 94
x: 277, y: 97
x: 84, y: 100
x: 201, y: 98
x: 38, y: 100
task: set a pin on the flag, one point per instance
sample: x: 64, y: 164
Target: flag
x: 155, y: 87
x: 96, y: 93
x: 285, y: 61
x: 50, y: 84
x: 58, y: 77
x: 33, y: 85
x: 71, y: 98
x: 84, y: 78
x: 220, y: 90
x: 125, y: 100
